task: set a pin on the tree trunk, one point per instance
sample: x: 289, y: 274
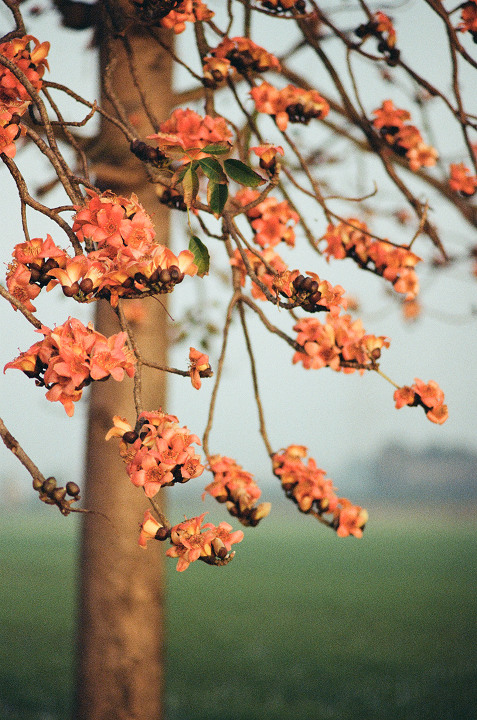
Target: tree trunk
x: 121, y: 634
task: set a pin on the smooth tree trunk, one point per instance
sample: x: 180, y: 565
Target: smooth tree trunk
x: 120, y: 669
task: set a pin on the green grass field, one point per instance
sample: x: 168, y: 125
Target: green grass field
x: 300, y: 625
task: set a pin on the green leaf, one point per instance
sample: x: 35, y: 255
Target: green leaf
x: 190, y: 185
x: 217, y: 194
x: 201, y: 255
x: 180, y: 173
x: 213, y: 169
x: 242, y: 174
x: 217, y: 149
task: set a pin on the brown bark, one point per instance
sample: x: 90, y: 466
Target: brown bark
x: 121, y: 638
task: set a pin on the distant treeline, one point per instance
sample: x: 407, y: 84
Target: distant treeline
x: 431, y: 473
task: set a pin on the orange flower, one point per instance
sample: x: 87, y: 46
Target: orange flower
x: 387, y: 116
x: 192, y: 540
x: 461, y: 180
x: 199, y: 364
x: 237, y: 488
x: 186, y: 130
x: 469, y: 18
x: 149, y: 528
x: 268, y: 156
x: 242, y: 54
x: 70, y: 356
x: 351, y: 519
x: 292, y: 104
x: 187, y: 11
x: 428, y: 395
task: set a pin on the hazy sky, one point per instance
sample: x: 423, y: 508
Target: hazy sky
x: 341, y: 418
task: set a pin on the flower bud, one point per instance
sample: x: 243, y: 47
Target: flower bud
x: 70, y: 291
x: 262, y: 510
x: 219, y: 548
x: 59, y: 494
x: 72, y: 489
x: 49, y: 485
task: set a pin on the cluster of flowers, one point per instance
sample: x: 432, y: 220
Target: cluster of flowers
x: 157, y: 452
x: 236, y: 488
x: 396, y: 264
x: 123, y: 259
x: 14, y: 98
x: 191, y: 540
x: 429, y: 396
x: 188, y: 11
x: 291, y: 104
x: 272, y: 221
x: 461, y: 179
x: 404, y: 139
x: 188, y: 131
x: 28, y: 271
x: 340, y: 344
x: 308, y: 486
x: 240, y: 53
x: 309, y: 292
x: 469, y: 18
x: 70, y: 357
x: 382, y: 28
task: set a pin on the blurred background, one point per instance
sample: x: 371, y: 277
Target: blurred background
x: 301, y: 622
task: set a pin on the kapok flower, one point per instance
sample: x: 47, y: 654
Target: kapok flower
x: 149, y: 528
x: 188, y: 131
x: 381, y: 27
x: 469, y: 18
x: 31, y: 62
x: 236, y: 488
x: 394, y: 263
x: 308, y: 486
x: 268, y: 156
x: 8, y: 133
x: 187, y: 11
x: 272, y: 221
x: 340, y: 344
x: 291, y: 104
x: 199, y: 367
x: 192, y: 540
x: 388, y: 116
x: 157, y: 452
x: 428, y: 395
x: 240, y: 53
x: 461, y: 179
x: 70, y: 357
x: 350, y: 519
x: 402, y: 138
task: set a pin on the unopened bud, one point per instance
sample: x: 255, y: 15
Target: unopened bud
x: 130, y: 437
x: 261, y: 511
x: 49, y: 485
x: 219, y: 548
x: 59, y: 494
x: 70, y: 291
x: 37, y: 484
x: 163, y: 533
x: 86, y: 286
x: 72, y: 489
